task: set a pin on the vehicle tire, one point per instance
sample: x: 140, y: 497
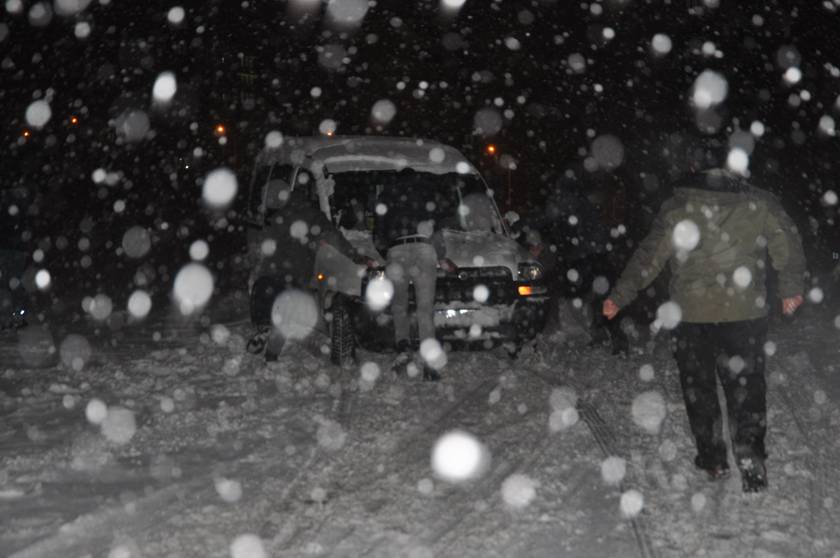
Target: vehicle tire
x: 342, y: 337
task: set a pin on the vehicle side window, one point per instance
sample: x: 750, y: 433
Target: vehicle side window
x: 353, y: 201
x: 259, y: 179
x: 269, y: 180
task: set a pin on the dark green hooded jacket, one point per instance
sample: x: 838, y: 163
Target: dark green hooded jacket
x: 719, y: 235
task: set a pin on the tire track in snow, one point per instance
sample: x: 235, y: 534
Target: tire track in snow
x: 819, y: 438
x: 93, y: 532
x: 486, y: 488
x: 408, y: 457
x: 606, y: 440
x: 421, y: 440
x: 341, y: 410
x: 459, y: 504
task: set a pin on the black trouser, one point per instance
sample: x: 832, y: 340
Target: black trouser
x: 265, y: 291
x: 732, y: 352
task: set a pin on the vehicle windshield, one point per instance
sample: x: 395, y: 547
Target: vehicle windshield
x: 453, y: 201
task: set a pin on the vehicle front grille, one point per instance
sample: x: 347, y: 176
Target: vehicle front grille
x: 460, y: 286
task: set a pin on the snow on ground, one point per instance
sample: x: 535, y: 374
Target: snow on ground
x: 228, y: 456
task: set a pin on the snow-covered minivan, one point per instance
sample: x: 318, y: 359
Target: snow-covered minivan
x: 497, y: 293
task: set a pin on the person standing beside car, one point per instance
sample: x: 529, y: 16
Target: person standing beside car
x: 296, y: 228
x: 413, y: 252
x: 719, y: 233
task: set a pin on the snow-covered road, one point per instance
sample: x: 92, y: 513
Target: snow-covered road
x: 311, y: 460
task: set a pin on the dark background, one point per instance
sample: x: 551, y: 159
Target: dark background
x: 251, y: 67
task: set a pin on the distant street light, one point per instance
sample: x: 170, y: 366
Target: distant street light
x: 491, y: 149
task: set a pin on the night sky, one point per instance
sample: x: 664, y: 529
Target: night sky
x: 555, y: 74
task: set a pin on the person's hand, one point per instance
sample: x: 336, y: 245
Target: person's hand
x: 610, y: 309
x: 790, y: 304
x: 447, y: 265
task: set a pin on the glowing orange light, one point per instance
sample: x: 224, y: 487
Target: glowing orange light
x: 525, y: 290
x: 220, y: 129
x: 26, y: 133
x: 491, y: 149
x: 74, y: 120
x: 321, y: 277
x: 330, y: 133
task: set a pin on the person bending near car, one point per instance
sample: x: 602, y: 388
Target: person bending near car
x: 717, y: 232
x: 414, y: 251
x: 297, y: 229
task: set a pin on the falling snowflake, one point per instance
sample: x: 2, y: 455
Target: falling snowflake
x: 518, y: 490
x: 632, y: 503
x: 458, y: 456
x: 119, y: 425
x: 613, y: 470
x: 247, y: 546
x: 193, y: 287
x: 710, y: 89
x: 686, y: 235
x: 648, y: 411
x: 219, y: 188
x: 661, y: 44
x: 164, y: 88
x: 38, y: 114
x: 379, y: 293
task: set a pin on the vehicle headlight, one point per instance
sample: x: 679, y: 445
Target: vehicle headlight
x: 531, y: 271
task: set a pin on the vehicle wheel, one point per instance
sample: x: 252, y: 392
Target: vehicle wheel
x: 343, y: 339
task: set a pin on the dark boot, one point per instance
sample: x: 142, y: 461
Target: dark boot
x: 430, y: 374
x: 717, y: 472
x: 753, y: 474
x: 273, y: 346
x: 715, y: 467
x: 403, y: 357
x: 256, y: 344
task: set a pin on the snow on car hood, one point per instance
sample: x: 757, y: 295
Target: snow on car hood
x: 484, y: 249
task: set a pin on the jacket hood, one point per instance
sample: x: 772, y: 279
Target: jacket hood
x: 717, y: 185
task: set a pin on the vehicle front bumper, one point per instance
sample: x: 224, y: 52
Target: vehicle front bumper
x: 459, y: 323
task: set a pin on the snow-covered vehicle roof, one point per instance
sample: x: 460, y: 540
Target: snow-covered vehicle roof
x: 368, y: 153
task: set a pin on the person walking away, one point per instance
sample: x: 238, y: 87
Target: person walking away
x: 717, y: 232
x: 414, y: 252
x: 296, y: 229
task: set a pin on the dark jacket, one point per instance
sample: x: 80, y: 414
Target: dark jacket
x: 717, y: 232
x: 298, y: 229
x: 411, y: 211
x: 571, y: 223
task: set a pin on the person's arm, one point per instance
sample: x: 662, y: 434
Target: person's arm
x: 787, y: 257
x: 439, y: 244
x: 644, y: 266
